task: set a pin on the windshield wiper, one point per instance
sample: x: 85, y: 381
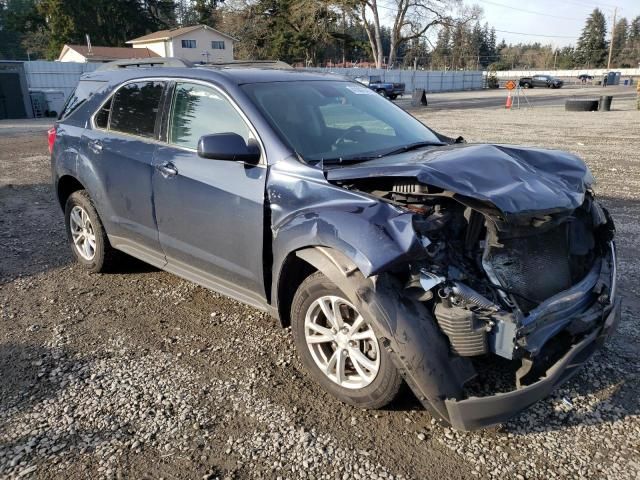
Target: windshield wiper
x: 412, y: 146
x: 341, y: 160
x: 364, y: 158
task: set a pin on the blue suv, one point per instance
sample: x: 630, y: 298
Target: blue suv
x: 395, y: 254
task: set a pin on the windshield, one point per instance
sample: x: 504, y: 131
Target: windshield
x: 333, y: 120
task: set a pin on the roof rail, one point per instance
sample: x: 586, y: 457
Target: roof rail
x: 276, y: 64
x: 146, y: 62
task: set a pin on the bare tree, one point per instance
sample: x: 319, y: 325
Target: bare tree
x: 412, y: 19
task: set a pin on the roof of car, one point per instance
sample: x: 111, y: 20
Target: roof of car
x: 235, y: 75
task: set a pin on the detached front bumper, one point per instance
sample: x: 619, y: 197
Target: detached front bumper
x: 478, y: 412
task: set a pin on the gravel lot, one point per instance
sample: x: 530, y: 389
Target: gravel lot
x: 140, y: 374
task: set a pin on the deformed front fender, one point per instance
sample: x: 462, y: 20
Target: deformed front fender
x: 306, y: 210
x: 404, y: 326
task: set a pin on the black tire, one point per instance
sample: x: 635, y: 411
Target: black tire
x: 581, y: 105
x: 104, y: 255
x: 382, y: 93
x: 380, y: 392
x: 526, y: 85
x: 393, y: 97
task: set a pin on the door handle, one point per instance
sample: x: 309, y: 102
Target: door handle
x: 95, y: 146
x: 168, y: 169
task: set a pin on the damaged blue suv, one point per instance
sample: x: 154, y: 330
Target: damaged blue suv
x: 483, y: 276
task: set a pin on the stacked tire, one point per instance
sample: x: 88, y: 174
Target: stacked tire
x: 581, y: 105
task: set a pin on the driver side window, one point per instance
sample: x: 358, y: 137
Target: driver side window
x: 197, y: 110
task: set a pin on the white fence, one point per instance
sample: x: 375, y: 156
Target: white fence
x: 595, y: 72
x: 63, y: 76
x: 431, y: 81
x: 56, y: 79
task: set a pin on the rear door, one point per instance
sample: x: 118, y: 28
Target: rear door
x: 210, y: 213
x: 540, y: 81
x: 121, y: 145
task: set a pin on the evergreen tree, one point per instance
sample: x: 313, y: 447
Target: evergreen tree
x: 620, y: 40
x: 207, y: 11
x: 441, y: 57
x: 630, y: 56
x: 13, y: 16
x: 634, y: 29
x: 493, y: 47
x: 592, y: 49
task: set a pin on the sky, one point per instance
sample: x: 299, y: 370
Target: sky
x: 556, y: 22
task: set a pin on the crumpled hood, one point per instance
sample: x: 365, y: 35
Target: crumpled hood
x: 516, y: 180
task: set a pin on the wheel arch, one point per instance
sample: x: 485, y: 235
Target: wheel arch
x: 404, y: 325
x: 300, y: 264
x: 293, y: 272
x: 67, y: 184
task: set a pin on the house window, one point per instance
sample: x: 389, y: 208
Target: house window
x: 217, y: 45
x: 188, y: 44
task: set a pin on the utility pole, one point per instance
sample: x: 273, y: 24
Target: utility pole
x: 613, y: 32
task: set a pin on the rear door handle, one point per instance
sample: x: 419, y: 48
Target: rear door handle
x: 95, y: 146
x: 168, y: 169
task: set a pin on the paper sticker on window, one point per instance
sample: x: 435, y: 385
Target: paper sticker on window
x: 360, y: 90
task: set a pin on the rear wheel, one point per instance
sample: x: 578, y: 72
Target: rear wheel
x: 339, y: 347
x: 393, y: 97
x: 382, y: 93
x: 87, y: 237
x: 526, y: 85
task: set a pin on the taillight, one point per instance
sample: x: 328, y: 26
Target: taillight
x: 51, y: 134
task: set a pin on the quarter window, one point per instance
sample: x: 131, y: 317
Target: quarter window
x: 102, y: 117
x: 81, y: 94
x: 217, y: 44
x: 188, y: 44
x: 134, y: 108
x: 198, y: 110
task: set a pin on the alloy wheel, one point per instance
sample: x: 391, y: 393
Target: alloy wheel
x: 82, y: 233
x: 343, y: 345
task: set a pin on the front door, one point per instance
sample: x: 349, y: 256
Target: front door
x: 210, y: 213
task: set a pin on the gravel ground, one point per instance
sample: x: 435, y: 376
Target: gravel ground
x: 141, y: 374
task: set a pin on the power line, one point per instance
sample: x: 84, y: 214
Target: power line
x: 507, y: 31
x: 536, y: 34
x: 527, y: 11
x: 591, y: 4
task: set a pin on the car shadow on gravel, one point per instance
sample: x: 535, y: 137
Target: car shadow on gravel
x: 31, y: 231
x: 32, y: 235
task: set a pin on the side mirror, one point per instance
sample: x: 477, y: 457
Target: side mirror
x: 228, y: 146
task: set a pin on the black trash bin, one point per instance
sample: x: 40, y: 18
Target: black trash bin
x: 605, y: 103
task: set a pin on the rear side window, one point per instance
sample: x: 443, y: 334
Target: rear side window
x: 134, y: 108
x: 81, y: 94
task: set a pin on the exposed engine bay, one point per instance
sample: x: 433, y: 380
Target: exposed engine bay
x: 497, y: 285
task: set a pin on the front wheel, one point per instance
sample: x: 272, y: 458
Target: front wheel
x: 526, y: 85
x: 382, y: 93
x: 339, y: 347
